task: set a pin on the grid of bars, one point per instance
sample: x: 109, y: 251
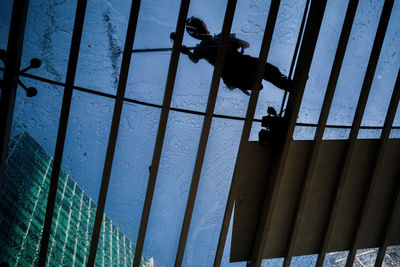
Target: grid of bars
x: 316, y: 12
x: 300, y: 76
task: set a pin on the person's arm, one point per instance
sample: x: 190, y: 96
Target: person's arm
x: 242, y: 43
x: 184, y: 50
x: 194, y: 57
x: 239, y: 43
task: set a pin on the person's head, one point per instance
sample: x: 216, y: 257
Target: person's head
x: 196, y: 28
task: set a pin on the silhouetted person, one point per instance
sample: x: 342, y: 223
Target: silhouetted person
x: 239, y: 70
x: 275, y: 128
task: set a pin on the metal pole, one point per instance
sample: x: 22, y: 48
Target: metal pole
x: 123, y: 77
x: 62, y: 128
x: 306, y: 53
x: 349, y: 153
x: 173, y: 65
x: 308, y: 176
x: 266, y: 43
x: 146, y: 50
x: 226, y: 28
x: 296, y: 52
x: 373, y: 181
x: 10, y: 78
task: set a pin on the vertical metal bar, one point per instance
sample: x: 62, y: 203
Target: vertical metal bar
x: 62, y: 128
x: 226, y: 28
x: 309, y: 41
x: 373, y: 180
x: 378, y: 160
x: 340, y: 51
x: 395, y: 203
x: 173, y: 65
x: 349, y: 154
x: 123, y: 77
x: 266, y: 43
x: 380, y: 257
x: 10, y: 78
x: 314, y: 154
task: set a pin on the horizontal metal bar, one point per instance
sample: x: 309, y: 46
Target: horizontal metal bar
x: 344, y: 126
x: 144, y: 50
x: 151, y: 50
x: 134, y: 101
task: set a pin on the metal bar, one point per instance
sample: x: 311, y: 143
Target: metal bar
x: 62, y: 128
x: 380, y: 256
x: 169, y: 87
x: 303, y: 65
x: 266, y: 43
x: 309, y: 173
x: 395, y: 203
x: 296, y: 51
x: 344, y: 37
x: 226, y: 28
x: 134, y: 101
x: 314, y: 154
x: 349, y: 153
x: 302, y: 199
x: 123, y: 77
x: 145, y: 50
x: 10, y: 78
x: 378, y: 160
x: 342, y: 126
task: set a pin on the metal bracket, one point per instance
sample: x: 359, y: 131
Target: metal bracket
x: 34, y: 64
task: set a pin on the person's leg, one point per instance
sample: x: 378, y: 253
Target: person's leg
x: 274, y: 76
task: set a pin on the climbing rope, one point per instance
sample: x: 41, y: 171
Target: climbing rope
x: 296, y: 53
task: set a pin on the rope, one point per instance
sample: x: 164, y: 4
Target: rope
x: 296, y: 52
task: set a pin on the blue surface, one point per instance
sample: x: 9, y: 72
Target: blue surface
x: 48, y: 37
